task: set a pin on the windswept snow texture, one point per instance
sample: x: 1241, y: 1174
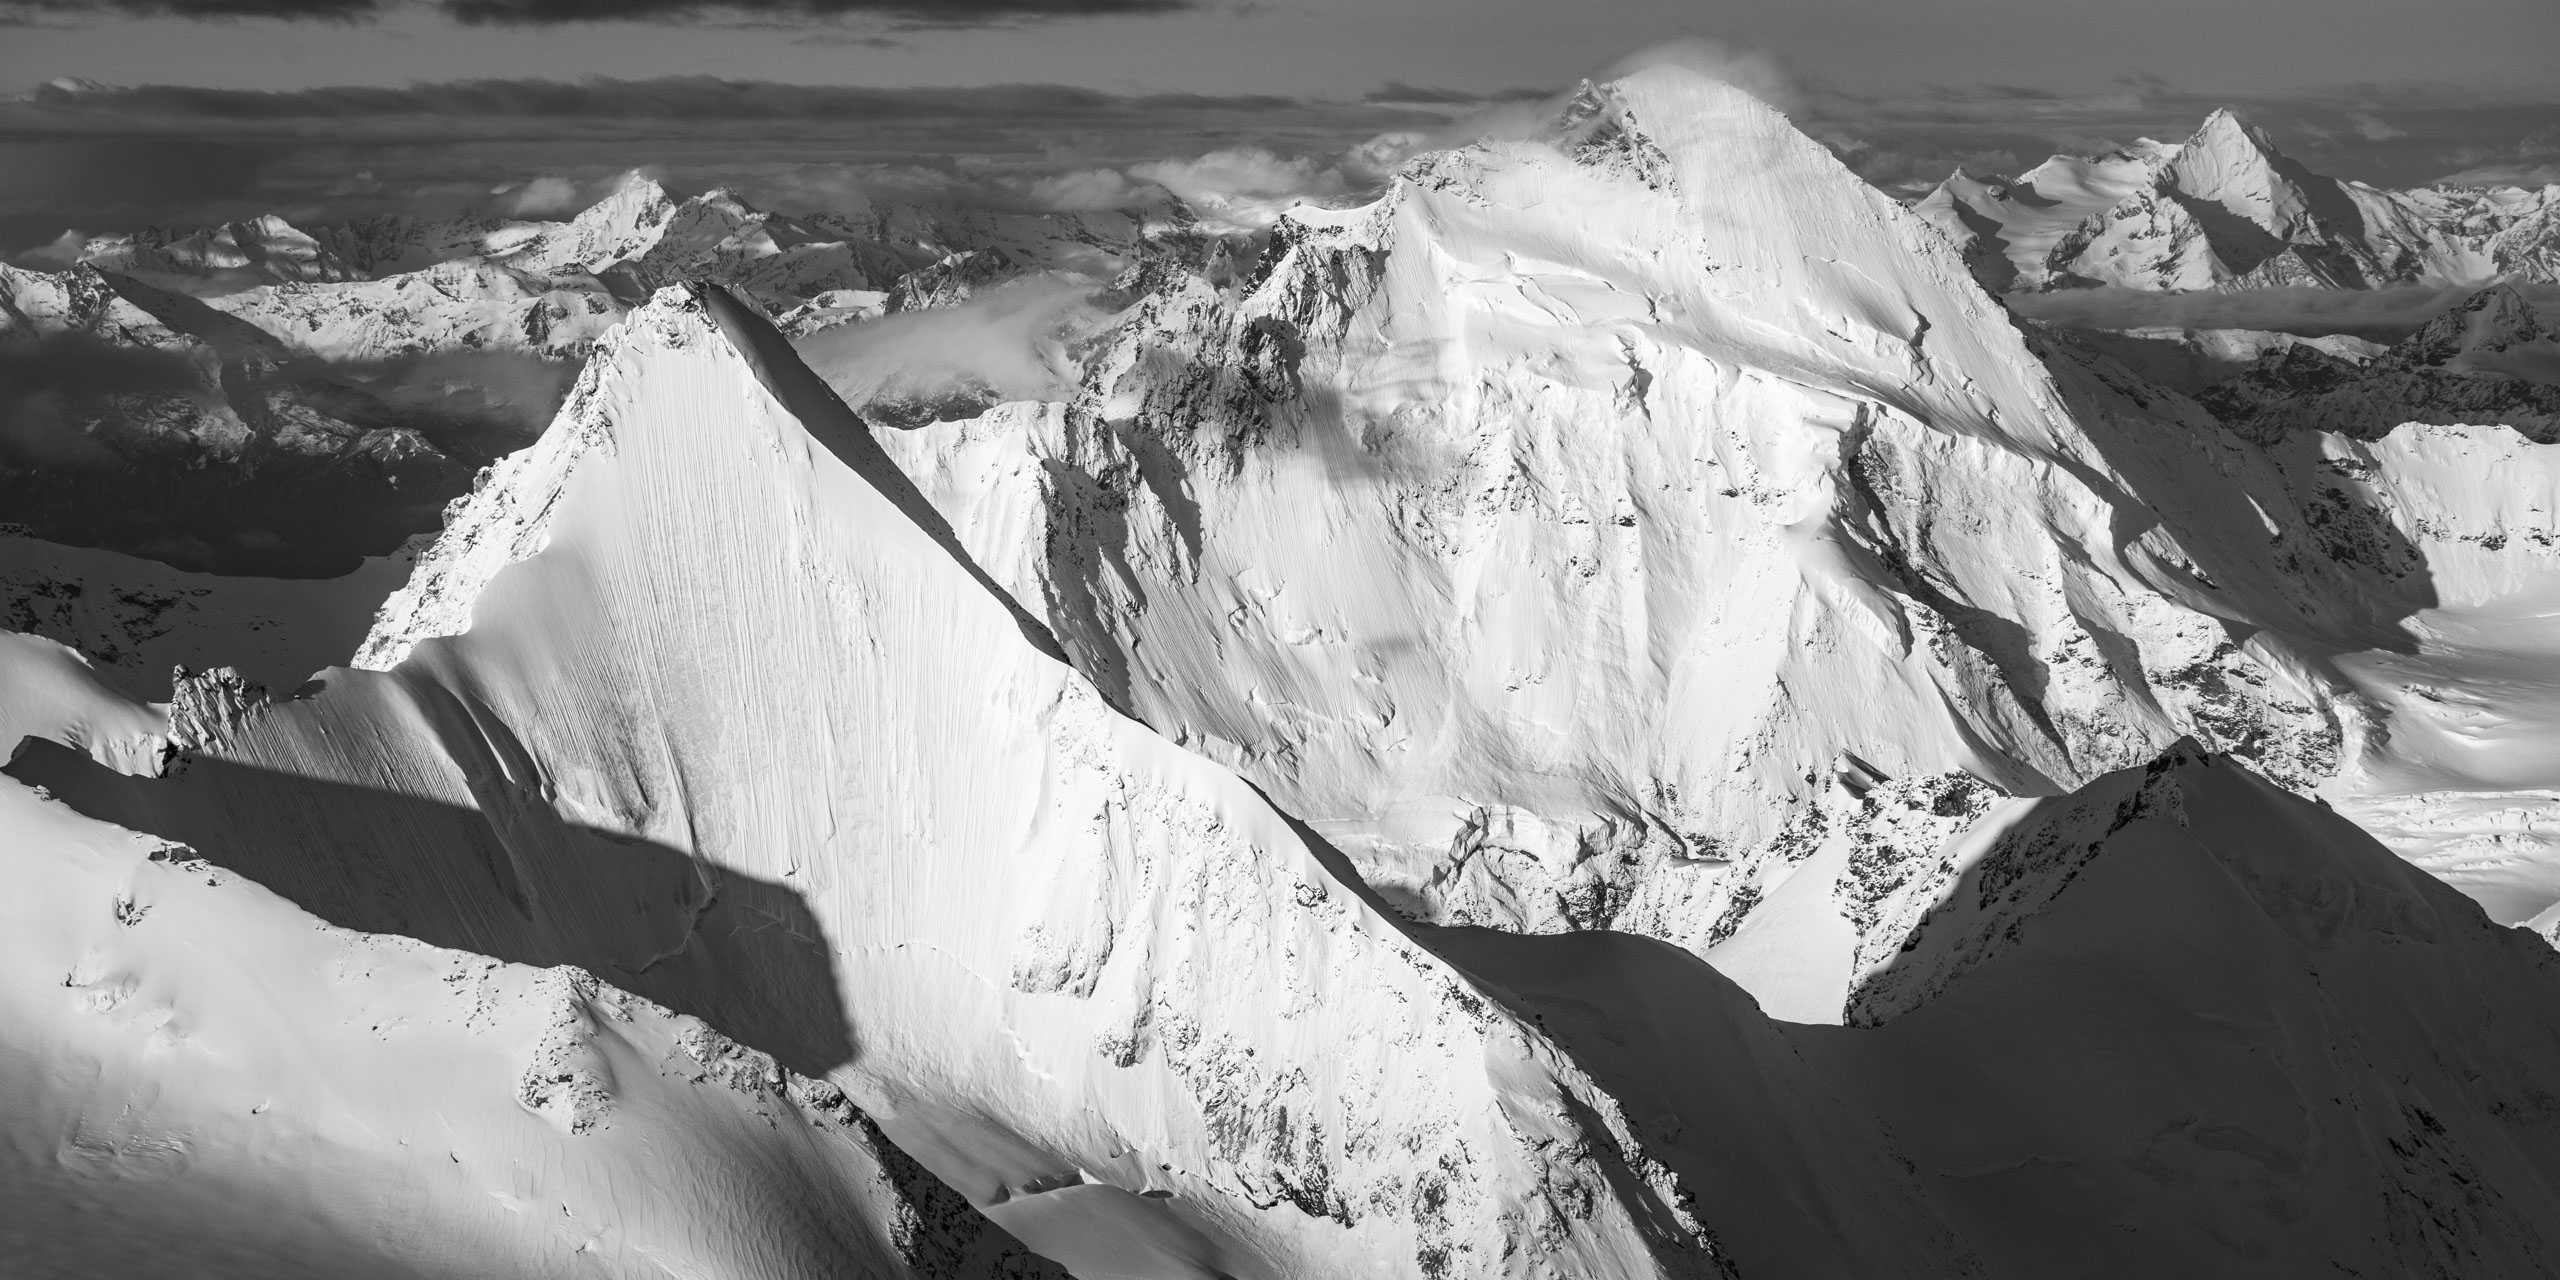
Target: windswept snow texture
x: 731, y: 727
x: 2227, y: 210
x: 202, y: 1081
x: 699, y: 699
x: 1607, y: 714
x: 1552, y: 532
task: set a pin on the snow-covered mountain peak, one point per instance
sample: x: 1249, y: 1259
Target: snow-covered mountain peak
x: 1690, y: 119
x: 754, y: 735
x: 2495, y: 319
x: 508, y: 515
x: 2227, y: 209
x: 2232, y: 165
x: 1628, y: 440
x: 2228, y: 132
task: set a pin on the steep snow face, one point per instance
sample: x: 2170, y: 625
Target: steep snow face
x: 1554, y: 530
x: 201, y: 1080
x: 699, y: 697
x: 732, y: 723
x: 2234, y: 167
x: 2227, y: 210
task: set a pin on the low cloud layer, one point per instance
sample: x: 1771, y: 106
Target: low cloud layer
x: 2384, y: 315
x: 52, y: 389
x: 1008, y: 343
x: 292, y: 10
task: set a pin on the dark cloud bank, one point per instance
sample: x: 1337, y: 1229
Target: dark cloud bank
x: 102, y: 158
x: 926, y: 12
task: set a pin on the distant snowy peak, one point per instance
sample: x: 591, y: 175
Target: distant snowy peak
x: 2491, y: 322
x: 2227, y: 209
x: 261, y: 250
x: 463, y: 283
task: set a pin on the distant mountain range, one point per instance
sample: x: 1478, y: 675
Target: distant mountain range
x: 234, y: 372
x: 2227, y: 210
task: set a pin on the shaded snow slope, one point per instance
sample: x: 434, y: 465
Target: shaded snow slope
x: 2225, y: 1023
x: 201, y: 1081
x: 2227, y: 210
x: 2454, y: 532
x: 137, y: 619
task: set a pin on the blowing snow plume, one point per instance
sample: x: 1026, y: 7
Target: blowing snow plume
x: 1755, y: 73
x: 914, y: 367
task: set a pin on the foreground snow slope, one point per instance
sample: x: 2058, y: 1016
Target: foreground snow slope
x: 1554, y: 530
x: 137, y: 619
x: 2426, y: 469
x: 732, y: 725
x: 202, y: 1081
x: 697, y: 696
x: 2179, y: 1022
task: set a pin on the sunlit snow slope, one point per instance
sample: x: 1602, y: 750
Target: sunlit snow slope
x: 1555, y: 531
x: 697, y: 696
x: 733, y: 726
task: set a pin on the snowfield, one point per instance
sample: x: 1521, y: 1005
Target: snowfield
x: 1609, y: 713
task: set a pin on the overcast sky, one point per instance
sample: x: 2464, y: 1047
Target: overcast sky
x: 1310, y: 47
x: 824, y: 96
